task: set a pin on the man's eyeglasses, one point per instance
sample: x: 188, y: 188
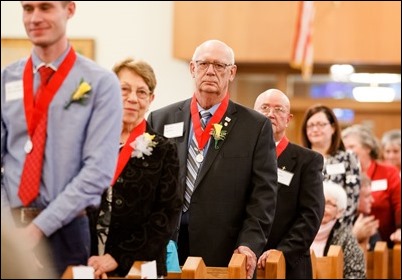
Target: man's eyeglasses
x: 318, y: 125
x: 140, y: 93
x: 265, y: 109
x: 218, y: 67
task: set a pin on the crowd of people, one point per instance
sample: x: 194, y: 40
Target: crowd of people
x: 204, y: 177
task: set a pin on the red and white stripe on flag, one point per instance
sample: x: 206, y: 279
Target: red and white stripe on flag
x: 302, y: 53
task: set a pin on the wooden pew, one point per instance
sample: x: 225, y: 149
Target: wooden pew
x: 377, y: 261
x: 275, y: 267
x: 195, y: 268
x: 394, y: 260
x: 330, y: 266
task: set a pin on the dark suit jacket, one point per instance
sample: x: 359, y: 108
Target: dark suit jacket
x: 146, y: 207
x: 299, y: 210
x: 235, y: 192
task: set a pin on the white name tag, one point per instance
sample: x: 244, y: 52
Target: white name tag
x: 284, y: 177
x: 379, y: 185
x: 173, y: 130
x: 14, y: 90
x: 148, y: 270
x: 337, y: 168
x: 83, y: 272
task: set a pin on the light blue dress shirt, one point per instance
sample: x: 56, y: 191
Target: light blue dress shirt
x: 82, y: 141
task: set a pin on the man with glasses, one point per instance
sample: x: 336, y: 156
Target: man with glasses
x: 228, y: 164
x: 300, y: 200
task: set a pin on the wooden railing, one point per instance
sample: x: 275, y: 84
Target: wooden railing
x: 195, y: 268
x: 382, y: 263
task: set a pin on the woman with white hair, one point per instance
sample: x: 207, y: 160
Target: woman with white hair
x: 332, y: 232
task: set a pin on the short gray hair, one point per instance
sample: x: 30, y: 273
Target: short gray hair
x: 366, y: 138
x: 391, y: 136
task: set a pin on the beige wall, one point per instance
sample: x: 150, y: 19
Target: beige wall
x: 120, y: 29
x: 365, y: 32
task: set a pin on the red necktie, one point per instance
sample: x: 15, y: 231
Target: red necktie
x: 32, y: 172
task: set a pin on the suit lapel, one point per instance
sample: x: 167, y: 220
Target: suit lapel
x: 183, y: 115
x: 287, y: 159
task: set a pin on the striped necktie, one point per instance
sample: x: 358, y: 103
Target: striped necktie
x: 193, y: 164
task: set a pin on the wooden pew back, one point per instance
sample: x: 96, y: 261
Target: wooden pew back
x: 195, y: 268
x: 377, y: 261
x: 275, y: 267
x: 330, y: 266
x: 395, y: 262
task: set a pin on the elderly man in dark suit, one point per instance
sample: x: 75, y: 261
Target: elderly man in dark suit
x: 228, y: 164
x: 300, y: 201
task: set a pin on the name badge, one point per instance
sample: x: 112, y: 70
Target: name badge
x: 337, y: 168
x: 284, y: 177
x: 173, y: 130
x: 14, y: 90
x: 379, y: 185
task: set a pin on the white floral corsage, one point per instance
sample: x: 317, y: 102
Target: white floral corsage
x: 218, y: 133
x: 80, y: 94
x: 143, y: 145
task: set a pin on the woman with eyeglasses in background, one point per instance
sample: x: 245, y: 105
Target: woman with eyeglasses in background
x: 321, y: 132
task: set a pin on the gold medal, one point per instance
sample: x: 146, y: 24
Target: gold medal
x: 28, y: 146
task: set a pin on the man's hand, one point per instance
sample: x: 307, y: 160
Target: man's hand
x: 251, y: 259
x: 263, y: 258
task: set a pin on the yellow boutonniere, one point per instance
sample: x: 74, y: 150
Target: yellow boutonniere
x: 218, y: 133
x: 80, y: 94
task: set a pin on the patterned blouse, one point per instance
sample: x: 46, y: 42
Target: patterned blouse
x: 344, y: 169
x: 353, y: 256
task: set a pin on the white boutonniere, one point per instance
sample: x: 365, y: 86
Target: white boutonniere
x: 80, y: 94
x: 218, y: 133
x: 143, y: 145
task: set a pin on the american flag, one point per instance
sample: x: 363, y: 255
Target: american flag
x: 302, y: 52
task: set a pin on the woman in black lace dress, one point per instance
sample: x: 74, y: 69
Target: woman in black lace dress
x: 140, y: 211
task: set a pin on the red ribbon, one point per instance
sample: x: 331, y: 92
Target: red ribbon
x: 281, y: 146
x: 126, y: 151
x: 202, y: 135
x: 34, y: 112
